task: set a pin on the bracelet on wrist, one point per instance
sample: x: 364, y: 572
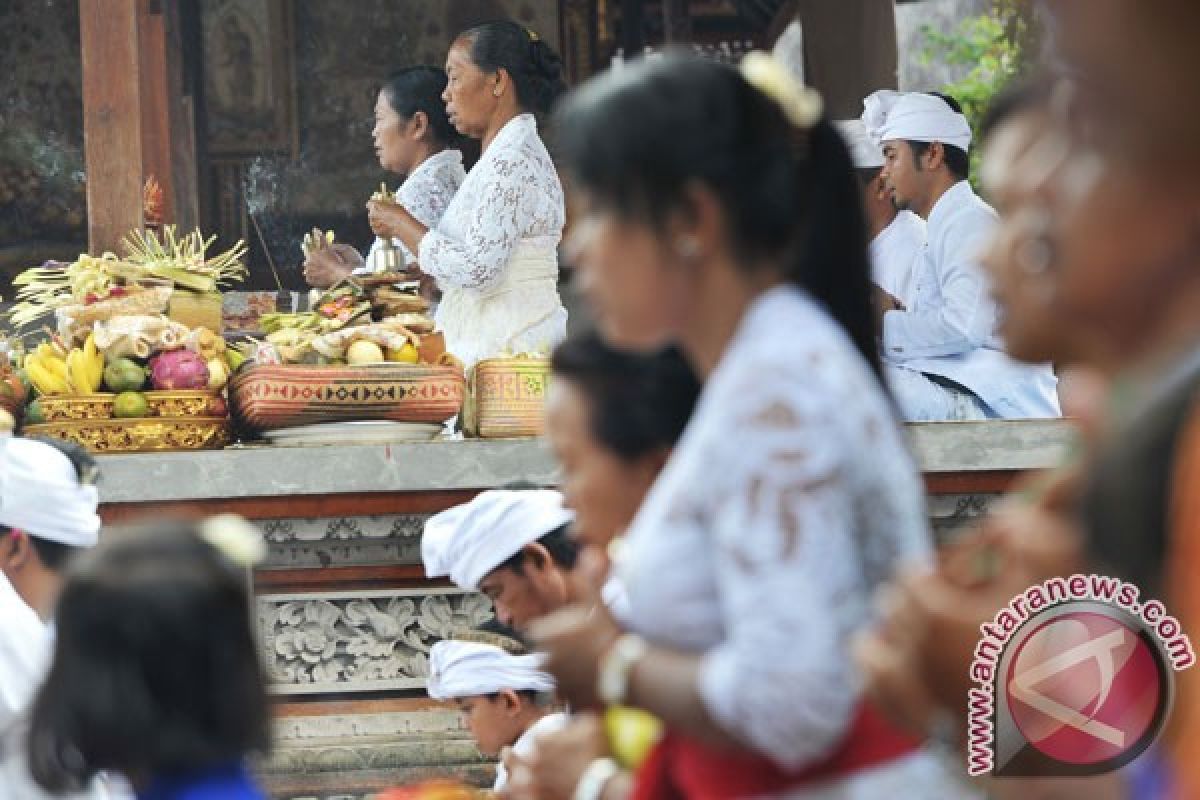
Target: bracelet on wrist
x: 616, y: 666
x: 594, y: 778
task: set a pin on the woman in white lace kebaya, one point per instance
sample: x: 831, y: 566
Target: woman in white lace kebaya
x: 495, y: 252
x: 414, y: 138
x: 727, y: 219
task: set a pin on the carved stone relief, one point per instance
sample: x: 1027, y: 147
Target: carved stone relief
x: 343, y: 541
x: 359, y: 641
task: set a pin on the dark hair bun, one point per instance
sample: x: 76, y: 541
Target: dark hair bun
x: 545, y: 61
x: 535, y: 69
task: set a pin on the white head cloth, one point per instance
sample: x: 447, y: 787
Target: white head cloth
x: 40, y: 494
x: 469, y: 541
x: 864, y: 151
x: 470, y: 669
x: 915, y: 117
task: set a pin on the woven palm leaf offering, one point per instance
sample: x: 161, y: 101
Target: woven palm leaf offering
x: 137, y: 361
x: 156, y: 275
x: 367, y: 351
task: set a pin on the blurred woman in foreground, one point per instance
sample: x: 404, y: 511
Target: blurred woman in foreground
x: 719, y: 210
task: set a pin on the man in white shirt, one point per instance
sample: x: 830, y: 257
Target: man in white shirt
x: 942, y: 356
x: 47, y: 515
x: 897, y: 237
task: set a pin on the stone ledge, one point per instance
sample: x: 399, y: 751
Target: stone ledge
x: 249, y: 472
x: 994, y: 445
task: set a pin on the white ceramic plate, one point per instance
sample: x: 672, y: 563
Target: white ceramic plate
x: 368, y: 432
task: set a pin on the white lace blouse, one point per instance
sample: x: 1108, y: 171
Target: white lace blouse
x: 511, y: 196
x: 494, y: 255
x: 789, y: 498
x: 426, y: 194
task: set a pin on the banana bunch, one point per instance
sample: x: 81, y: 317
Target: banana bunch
x: 47, y: 369
x: 52, y: 370
x: 85, y: 368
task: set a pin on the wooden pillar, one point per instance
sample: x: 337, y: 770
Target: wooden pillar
x: 156, y: 128
x: 677, y: 21
x: 112, y: 120
x: 181, y: 119
x: 137, y: 121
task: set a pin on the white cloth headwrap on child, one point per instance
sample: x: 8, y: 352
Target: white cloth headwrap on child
x: 865, y: 152
x: 914, y: 116
x: 470, y: 669
x: 469, y: 541
x: 40, y: 494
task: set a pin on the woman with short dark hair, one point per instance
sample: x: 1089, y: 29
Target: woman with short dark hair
x: 413, y: 138
x: 612, y: 418
x: 156, y: 673
x: 494, y: 253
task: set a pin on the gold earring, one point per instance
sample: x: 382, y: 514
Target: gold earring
x: 496, y: 92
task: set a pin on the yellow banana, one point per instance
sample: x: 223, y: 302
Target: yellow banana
x: 81, y: 374
x: 56, y: 366
x: 75, y: 378
x: 37, y: 376
x: 50, y: 349
x: 45, y: 381
x: 94, y: 360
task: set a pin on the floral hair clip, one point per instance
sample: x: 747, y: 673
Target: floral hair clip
x: 801, y: 104
x: 234, y: 538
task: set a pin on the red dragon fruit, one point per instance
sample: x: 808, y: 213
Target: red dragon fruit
x: 178, y: 369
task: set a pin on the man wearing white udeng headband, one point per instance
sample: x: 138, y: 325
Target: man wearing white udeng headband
x: 897, y: 237
x: 511, y: 544
x: 507, y: 699
x: 47, y: 515
x: 941, y: 352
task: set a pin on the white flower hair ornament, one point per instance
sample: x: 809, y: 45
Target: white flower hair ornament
x: 235, y: 538
x: 801, y: 104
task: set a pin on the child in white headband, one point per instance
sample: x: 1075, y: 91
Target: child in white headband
x: 507, y: 699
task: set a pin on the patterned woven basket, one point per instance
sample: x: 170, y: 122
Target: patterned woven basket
x: 267, y: 397
x: 507, y: 398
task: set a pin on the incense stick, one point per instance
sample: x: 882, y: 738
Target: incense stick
x: 266, y: 250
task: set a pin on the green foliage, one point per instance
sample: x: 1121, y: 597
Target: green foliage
x: 991, y: 45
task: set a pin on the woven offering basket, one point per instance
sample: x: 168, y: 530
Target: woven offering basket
x: 268, y: 397
x: 507, y: 398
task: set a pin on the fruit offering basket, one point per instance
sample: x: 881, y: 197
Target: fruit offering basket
x: 181, y: 404
x: 270, y: 397
x: 507, y: 398
x: 145, y: 435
